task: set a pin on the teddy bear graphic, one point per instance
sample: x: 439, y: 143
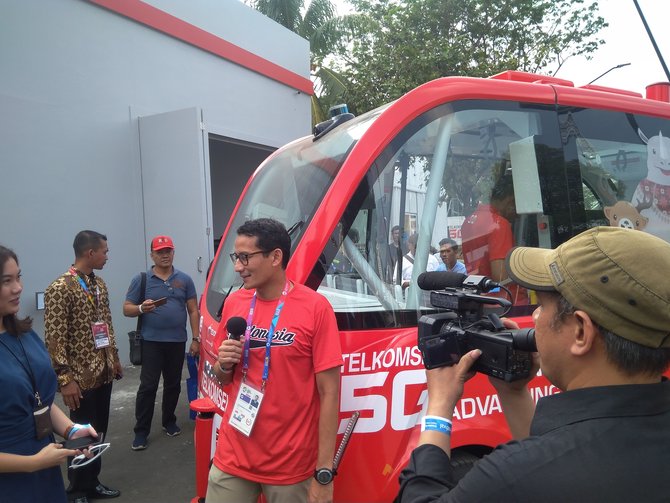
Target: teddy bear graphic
x: 625, y: 215
x: 652, y: 195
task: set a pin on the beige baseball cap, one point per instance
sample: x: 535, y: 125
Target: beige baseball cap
x: 620, y: 277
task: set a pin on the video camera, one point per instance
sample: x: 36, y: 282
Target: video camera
x: 445, y: 337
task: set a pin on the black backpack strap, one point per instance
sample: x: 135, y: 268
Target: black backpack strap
x: 143, y: 294
x: 409, y: 259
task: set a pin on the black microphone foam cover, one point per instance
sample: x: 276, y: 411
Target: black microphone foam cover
x: 236, y: 327
x: 439, y: 280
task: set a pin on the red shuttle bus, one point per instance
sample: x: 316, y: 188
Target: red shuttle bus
x: 578, y: 158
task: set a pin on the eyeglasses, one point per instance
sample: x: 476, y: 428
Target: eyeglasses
x: 244, y: 257
x: 81, y: 460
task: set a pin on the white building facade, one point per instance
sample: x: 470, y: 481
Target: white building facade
x: 135, y: 118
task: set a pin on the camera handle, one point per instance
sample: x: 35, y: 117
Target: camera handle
x: 496, y: 322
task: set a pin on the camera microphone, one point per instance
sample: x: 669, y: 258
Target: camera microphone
x: 439, y: 280
x: 236, y: 327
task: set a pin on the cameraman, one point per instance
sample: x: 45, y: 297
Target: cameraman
x: 603, y: 336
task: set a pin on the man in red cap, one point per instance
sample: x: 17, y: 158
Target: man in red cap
x: 169, y: 298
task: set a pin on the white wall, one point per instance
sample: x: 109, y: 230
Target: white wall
x: 75, y: 77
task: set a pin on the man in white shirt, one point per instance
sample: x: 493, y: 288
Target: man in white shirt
x: 408, y: 261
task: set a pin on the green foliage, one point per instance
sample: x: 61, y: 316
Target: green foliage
x: 318, y: 24
x: 391, y: 46
x: 329, y: 89
x: 285, y: 12
x: 402, y: 44
x: 326, y: 34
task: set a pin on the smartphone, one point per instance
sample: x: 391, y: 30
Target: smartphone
x: 82, y: 442
x: 160, y: 302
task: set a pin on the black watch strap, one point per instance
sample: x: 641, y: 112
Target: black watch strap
x: 324, y: 476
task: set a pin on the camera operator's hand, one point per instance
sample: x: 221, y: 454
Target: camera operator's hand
x: 445, y: 384
x: 515, y: 398
x: 445, y: 388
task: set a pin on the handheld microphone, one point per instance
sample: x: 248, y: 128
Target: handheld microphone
x: 236, y: 327
x: 439, y: 280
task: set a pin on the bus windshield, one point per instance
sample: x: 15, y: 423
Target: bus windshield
x: 453, y: 190
x: 465, y: 182
x: 288, y: 187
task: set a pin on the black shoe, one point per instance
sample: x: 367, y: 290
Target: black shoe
x: 103, y: 492
x: 172, y: 430
x: 80, y: 499
x: 140, y: 443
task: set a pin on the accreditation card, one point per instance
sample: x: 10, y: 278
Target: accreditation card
x: 100, y: 334
x: 245, y: 410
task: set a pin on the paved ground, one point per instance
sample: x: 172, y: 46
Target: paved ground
x: 165, y: 471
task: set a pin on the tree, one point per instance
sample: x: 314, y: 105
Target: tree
x: 403, y: 44
x: 326, y: 34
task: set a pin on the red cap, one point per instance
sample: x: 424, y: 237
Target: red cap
x: 161, y: 242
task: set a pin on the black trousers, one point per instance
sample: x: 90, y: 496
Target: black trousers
x: 166, y: 358
x: 93, y: 409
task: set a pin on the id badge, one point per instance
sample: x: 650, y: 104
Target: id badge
x: 100, y: 334
x: 43, y: 426
x: 245, y: 410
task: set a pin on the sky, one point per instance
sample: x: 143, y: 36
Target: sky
x: 626, y: 41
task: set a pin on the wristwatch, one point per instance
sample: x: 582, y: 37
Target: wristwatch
x: 196, y: 339
x: 324, y: 476
x: 64, y: 380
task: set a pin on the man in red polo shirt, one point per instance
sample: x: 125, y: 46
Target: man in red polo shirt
x: 487, y: 237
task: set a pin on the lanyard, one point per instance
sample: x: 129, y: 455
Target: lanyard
x: 28, y: 369
x: 84, y: 287
x: 268, y: 343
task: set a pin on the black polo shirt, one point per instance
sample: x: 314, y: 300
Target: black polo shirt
x: 607, y: 444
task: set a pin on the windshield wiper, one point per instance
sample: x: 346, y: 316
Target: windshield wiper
x: 295, y: 227
x: 223, y: 302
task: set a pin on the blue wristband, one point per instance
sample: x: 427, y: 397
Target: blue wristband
x: 436, y: 423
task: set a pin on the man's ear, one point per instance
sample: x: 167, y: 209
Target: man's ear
x: 277, y: 256
x: 584, y: 333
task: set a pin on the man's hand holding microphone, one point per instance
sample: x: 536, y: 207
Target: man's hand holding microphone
x: 230, y: 350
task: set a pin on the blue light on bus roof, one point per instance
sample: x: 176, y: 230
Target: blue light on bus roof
x: 336, y: 110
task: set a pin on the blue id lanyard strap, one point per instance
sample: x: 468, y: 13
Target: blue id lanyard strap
x: 93, y: 300
x: 268, y: 343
